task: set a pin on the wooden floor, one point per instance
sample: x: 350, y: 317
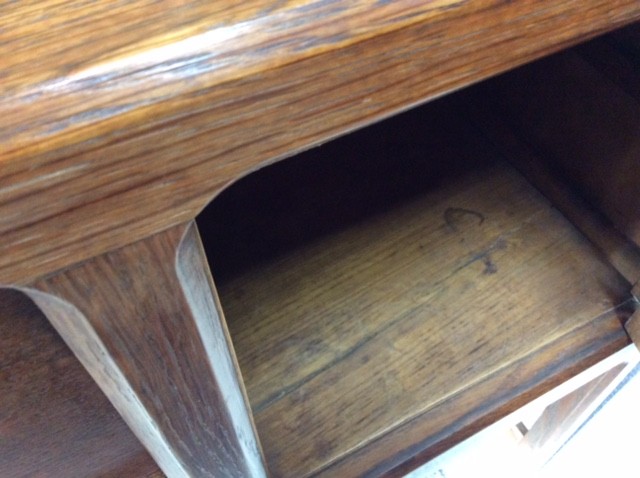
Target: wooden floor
x: 396, y: 312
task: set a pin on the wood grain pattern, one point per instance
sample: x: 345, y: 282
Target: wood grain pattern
x: 406, y: 331
x: 128, y: 125
x: 54, y: 420
x: 135, y: 115
x: 145, y: 324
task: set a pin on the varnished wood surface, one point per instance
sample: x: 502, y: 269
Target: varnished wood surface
x: 142, y: 166
x: 54, y: 420
x: 144, y: 322
x: 401, y: 329
x: 120, y: 120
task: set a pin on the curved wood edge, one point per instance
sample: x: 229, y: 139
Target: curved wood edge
x: 111, y: 174
x: 144, y: 322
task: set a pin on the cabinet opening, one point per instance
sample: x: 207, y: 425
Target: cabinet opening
x: 395, y: 290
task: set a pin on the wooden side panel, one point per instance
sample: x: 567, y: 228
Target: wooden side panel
x: 619, y: 250
x: 144, y: 322
x: 580, y: 112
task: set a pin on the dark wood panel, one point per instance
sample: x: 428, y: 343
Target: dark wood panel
x: 581, y: 117
x: 405, y: 325
x: 54, y: 420
x: 540, y: 170
x: 633, y: 328
x: 616, y: 56
x: 109, y: 141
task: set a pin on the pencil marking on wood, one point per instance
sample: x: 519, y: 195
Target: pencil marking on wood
x: 453, y: 216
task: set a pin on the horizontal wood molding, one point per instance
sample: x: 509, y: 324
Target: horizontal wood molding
x: 132, y: 118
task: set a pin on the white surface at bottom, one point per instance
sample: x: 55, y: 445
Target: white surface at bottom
x: 606, y: 445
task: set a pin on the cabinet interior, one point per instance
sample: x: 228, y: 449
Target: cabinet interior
x: 396, y: 289
x: 388, y: 290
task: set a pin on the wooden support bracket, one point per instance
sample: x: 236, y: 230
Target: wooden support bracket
x: 145, y: 322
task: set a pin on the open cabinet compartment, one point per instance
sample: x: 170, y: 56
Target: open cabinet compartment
x: 398, y: 289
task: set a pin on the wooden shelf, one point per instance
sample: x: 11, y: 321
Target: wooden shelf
x: 427, y: 291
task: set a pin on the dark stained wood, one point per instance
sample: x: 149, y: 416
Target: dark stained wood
x: 145, y: 324
x: 584, y: 126
x: 632, y: 327
x: 119, y: 121
x: 54, y: 420
x: 409, y: 326
x: 627, y: 40
x: 125, y: 120
x: 619, y: 250
x: 616, y: 56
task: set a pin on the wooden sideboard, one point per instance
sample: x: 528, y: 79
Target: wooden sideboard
x: 377, y: 299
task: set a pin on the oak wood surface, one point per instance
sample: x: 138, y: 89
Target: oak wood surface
x: 121, y: 120
x: 54, y: 420
x: 410, y: 325
x: 144, y: 322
